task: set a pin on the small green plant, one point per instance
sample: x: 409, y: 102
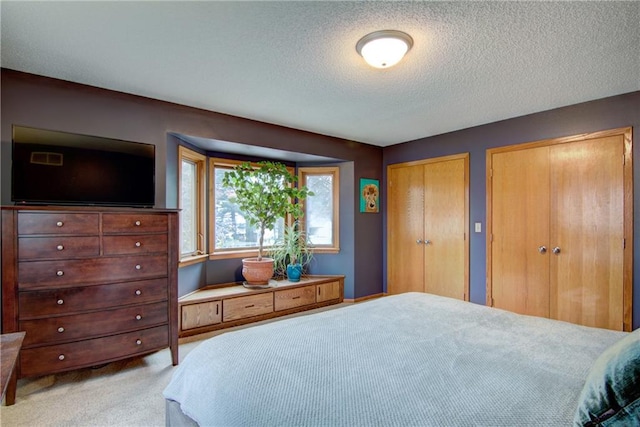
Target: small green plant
x: 264, y: 194
x: 293, y: 248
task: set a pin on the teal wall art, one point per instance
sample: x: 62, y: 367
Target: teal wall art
x: 369, y: 195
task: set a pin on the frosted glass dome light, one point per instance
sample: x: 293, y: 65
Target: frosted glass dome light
x: 383, y: 49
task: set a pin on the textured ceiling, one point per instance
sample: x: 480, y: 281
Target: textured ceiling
x: 295, y: 63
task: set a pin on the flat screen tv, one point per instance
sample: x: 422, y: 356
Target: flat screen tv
x: 58, y: 168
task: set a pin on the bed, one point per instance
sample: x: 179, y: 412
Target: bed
x: 412, y: 359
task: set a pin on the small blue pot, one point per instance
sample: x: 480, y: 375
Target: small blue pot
x: 294, y: 272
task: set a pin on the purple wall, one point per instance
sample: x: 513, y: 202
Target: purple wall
x: 609, y: 113
x: 46, y: 103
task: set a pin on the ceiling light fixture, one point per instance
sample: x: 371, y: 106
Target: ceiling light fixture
x: 385, y: 48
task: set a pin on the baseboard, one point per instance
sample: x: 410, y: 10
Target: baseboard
x: 354, y: 300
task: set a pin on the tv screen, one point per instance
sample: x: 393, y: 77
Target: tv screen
x: 58, y: 168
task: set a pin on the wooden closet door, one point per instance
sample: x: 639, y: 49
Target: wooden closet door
x: 520, y: 231
x: 405, y: 227
x: 587, y: 227
x: 444, y: 224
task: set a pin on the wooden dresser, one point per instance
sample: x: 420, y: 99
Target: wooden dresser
x: 223, y: 306
x: 88, y: 285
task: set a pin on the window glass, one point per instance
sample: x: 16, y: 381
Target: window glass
x: 189, y: 212
x: 321, y: 211
x: 231, y: 230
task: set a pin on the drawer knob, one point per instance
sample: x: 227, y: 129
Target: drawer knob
x: 61, y: 357
x: 138, y: 292
x: 138, y: 317
x: 138, y: 244
x: 139, y: 342
x: 138, y: 223
x: 59, y: 224
x: 60, y: 301
x: 138, y: 267
x: 60, y: 273
x: 59, y: 247
x: 61, y: 329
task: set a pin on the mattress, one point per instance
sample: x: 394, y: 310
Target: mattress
x: 408, y: 359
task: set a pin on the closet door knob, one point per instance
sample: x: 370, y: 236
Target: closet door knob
x: 427, y: 242
x: 419, y: 241
x: 542, y: 249
x: 556, y: 250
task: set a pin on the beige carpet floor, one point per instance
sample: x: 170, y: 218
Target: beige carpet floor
x: 126, y: 393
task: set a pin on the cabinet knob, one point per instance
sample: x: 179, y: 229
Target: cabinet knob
x: 138, y: 292
x: 556, y: 250
x: 419, y: 241
x: 61, y: 329
x: 60, y: 273
x: 427, y: 242
x: 542, y: 249
x: 139, y: 342
x: 60, y: 301
x: 138, y: 223
x: 138, y: 244
x: 59, y: 247
x: 138, y: 267
x: 61, y: 357
x: 59, y: 224
x: 138, y: 317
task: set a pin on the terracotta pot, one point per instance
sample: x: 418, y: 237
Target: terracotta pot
x: 257, y: 273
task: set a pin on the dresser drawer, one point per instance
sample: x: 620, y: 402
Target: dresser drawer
x: 134, y: 223
x: 134, y: 244
x: 81, y: 326
x: 58, y: 247
x: 249, y: 306
x: 328, y: 291
x: 46, y: 274
x: 63, y: 357
x: 58, y: 223
x: 296, y: 297
x: 33, y: 304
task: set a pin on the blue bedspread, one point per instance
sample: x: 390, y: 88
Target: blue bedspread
x: 407, y: 360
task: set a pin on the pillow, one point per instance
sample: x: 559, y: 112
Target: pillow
x: 611, y: 394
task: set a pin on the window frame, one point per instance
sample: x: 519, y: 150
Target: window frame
x: 231, y: 252
x: 303, y: 172
x: 200, y: 161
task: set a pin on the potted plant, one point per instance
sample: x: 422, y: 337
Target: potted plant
x: 264, y: 194
x: 292, y: 253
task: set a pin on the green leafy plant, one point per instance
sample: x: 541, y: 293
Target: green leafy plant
x: 293, y: 248
x: 264, y: 194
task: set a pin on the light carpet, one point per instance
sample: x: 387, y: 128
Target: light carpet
x: 125, y: 393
